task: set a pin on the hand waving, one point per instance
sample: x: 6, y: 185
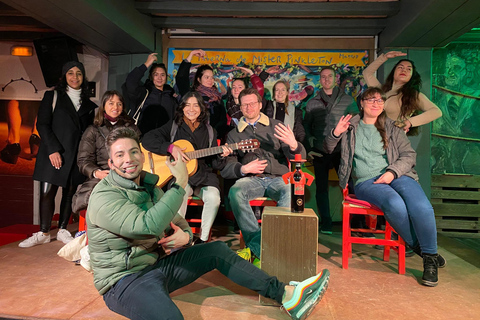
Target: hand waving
x: 285, y: 134
x: 342, y: 125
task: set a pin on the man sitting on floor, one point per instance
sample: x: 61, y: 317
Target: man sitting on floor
x: 259, y: 173
x: 139, y: 245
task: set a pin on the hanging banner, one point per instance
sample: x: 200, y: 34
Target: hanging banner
x: 300, y: 68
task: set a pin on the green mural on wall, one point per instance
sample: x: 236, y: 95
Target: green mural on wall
x: 456, y: 91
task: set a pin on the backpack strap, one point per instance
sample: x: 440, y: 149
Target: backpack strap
x: 210, y: 135
x: 54, y: 102
x: 173, y: 131
x: 139, y: 109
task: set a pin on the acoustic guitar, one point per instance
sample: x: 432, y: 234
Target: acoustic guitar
x: 157, y: 165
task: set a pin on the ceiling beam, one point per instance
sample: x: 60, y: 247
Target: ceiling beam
x: 429, y: 23
x: 367, y: 27
x: 109, y: 26
x: 268, y: 9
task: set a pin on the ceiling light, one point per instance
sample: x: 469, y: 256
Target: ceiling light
x: 22, y: 51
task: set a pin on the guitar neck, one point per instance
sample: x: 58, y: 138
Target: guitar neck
x: 209, y: 151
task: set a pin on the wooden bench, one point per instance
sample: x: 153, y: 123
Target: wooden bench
x: 456, y: 202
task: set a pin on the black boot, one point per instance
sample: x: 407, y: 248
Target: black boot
x: 34, y: 142
x: 430, y: 270
x: 10, y: 153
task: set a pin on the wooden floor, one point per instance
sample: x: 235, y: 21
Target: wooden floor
x: 37, y: 284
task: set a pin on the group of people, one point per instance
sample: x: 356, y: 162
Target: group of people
x: 139, y: 241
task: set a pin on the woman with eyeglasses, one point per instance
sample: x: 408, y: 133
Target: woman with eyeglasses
x: 155, y: 96
x: 381, y: 161
x: 204, y: 83
x: 405, y: 104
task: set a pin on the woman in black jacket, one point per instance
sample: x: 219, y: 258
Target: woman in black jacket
x: 63, y: 116
x: 204, y: 83
x: 282, y: 109
x: 159, y: 99
x: 92, y: 156
x: 191, y: 124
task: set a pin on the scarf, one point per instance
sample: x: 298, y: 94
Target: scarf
x: 328, y: 101
x: 74, y: 95
x: 289, y: 113
x: 212, y: 93
x: 190, y: 124
x: 111, y: 119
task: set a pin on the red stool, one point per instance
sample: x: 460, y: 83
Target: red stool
x: 82, y: 223
x: 351, y: 205
x: 195, y: 202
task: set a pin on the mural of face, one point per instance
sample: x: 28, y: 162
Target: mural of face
x: 454, y: 71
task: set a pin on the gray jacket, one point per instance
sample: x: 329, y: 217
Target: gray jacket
x: 400, y: 154
x: 323, y: 113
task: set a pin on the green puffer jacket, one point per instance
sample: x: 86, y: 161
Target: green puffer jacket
x: 124, y: 223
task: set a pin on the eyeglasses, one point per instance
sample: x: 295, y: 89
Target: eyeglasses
x: 251, y: 104
x: 372, y: 101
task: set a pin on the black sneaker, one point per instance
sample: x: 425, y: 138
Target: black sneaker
x: 430, y: 270
x: 441, y: 261
x: 409, y: 252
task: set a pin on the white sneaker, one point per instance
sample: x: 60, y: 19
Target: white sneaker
x: 35, y: 239
x: 64, y: 235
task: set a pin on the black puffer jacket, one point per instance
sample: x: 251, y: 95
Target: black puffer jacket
x: 159, y: 106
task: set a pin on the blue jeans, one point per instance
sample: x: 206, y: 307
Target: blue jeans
x: 146, y: 294
x: 249, y: 188
x: 406, y: 208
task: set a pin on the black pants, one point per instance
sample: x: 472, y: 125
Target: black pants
x: 146, y: 294
x: 48, y: 192
x: 322, y: 166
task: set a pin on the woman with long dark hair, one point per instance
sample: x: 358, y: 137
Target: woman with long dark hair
x: 204, y: 83
x: 191, y: 124
x: 158, y: 98
x: 405, y: 104
x: 63, y: 116
x: 92, y: 156
x: 381, y: 161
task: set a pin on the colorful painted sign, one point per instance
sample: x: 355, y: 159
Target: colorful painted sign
x: 300, y: 68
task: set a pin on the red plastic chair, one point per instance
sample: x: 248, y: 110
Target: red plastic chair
x: 351, y: 205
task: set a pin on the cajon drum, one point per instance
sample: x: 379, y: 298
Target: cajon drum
x: 289, y: 245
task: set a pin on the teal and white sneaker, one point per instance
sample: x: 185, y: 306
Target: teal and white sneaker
x: 306, y: 295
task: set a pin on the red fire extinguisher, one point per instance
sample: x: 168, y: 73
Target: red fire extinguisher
x: 298, y: 179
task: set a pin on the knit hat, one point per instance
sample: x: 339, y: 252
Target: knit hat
x: 69, y: 65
